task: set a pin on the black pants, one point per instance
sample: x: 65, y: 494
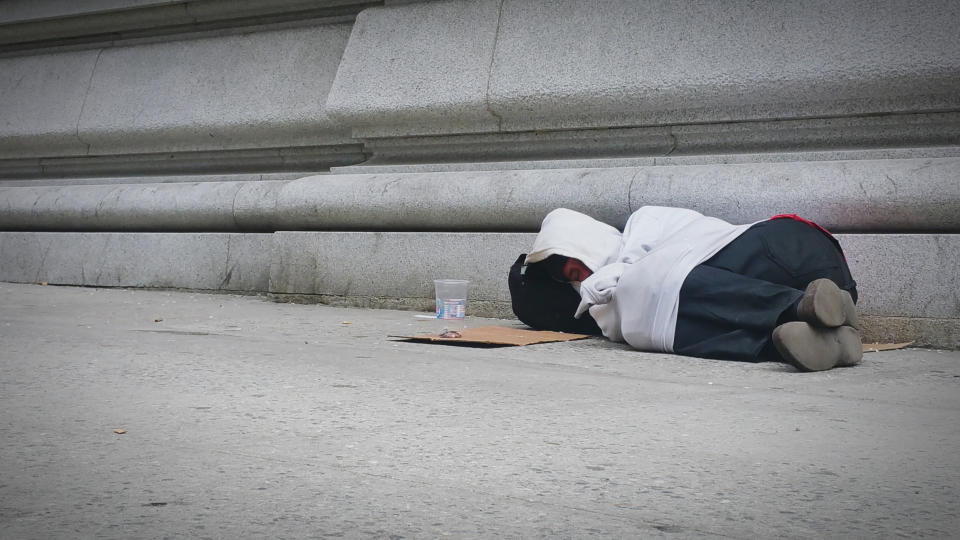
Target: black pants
x: 730, y: 304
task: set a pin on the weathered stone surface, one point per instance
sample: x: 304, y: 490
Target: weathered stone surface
x: 112, y: 169
x: 378, y: 167
x: 866, y: 137
x: 901, y: 275
x: 500, y: 201
x: 229, y: 262
x: 702, y: 61
x: 420, y: 66
x: 537, y: 65
x: 401, y: 265
x: 250, y: 419
x: 25, y: 10
x: 908, y: 275
x: 206, y: 206
x: 905, y: 287
x: 263, y: 89
x: 157, y: 179
x: 257, y: 90
x: 41, y: 98
x: 844, y: 113
x: 922, y: 331
x: 859, y: 195
x: 873, y: 195
x: 26, y: 25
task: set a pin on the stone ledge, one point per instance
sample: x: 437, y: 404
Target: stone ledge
x: 898, y: 275
x: 923, y: 331
x: 223, y: 162
x: 896, y: 195
x: 207, y: 261
x: 153, y: 179
x: 895, y: 135
x: 374, y: 166
x: 905, y: 292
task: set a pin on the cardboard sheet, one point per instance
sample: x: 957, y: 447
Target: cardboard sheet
x: 501, y: 336
x: 877, y: 347
x: 497, y: 336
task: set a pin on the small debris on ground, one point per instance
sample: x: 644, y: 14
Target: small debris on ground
x: 877, y: 347
x: 119, y: 431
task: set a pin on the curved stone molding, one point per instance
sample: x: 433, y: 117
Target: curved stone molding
x: 30, y: 24
x: 259, y: 90
x: 153, y: 179
x: 373, y: 167
x: 519, y: 65
x: 206, y: 206
x: 299, y: 158
x: 881, y: 195
x: 20, y: 11
x: 867, y: 195
x: 912, y: 135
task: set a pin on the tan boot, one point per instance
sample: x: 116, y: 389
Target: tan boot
x: 813, y: 348
x: 825, y: 304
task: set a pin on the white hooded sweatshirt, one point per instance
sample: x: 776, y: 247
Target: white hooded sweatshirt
x: 641, y: 291
x: 634, y: 292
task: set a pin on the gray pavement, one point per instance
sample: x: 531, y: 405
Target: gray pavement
x: 250, y: 419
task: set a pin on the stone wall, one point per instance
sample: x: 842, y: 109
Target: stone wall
x: 351, y: 151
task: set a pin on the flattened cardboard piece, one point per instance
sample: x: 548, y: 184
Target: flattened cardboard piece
x: 497, y: 335
x: 877, y: 347
x: 503, y: 336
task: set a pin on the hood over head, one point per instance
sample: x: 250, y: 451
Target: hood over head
x: 578, y: 236
x: 545, y: 304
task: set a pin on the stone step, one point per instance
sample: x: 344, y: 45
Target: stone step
x: 882, y: 195
x: 908, y: 283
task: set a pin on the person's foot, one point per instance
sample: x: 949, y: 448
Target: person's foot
x: 813, y: 348
x: 825, y: 304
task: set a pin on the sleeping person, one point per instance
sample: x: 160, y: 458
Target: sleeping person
x: 678, y: 281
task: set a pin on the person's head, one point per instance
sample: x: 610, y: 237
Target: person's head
x: 566, y: 269
x: 573, y: 235
x: 544, y: 303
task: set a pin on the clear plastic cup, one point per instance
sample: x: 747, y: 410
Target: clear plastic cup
x: 451, y: 298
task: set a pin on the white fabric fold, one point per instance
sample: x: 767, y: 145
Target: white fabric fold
x: 661, y: 247
x: 599, y: 287
x: 634, y: 291
x: 579, y: 236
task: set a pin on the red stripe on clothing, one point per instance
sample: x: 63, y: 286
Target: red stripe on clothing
x: 812, y: 224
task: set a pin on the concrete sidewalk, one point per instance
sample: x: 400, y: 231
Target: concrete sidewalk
x: 250, y: 419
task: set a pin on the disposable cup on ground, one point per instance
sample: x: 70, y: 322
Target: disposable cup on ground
x: 451, y: 298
